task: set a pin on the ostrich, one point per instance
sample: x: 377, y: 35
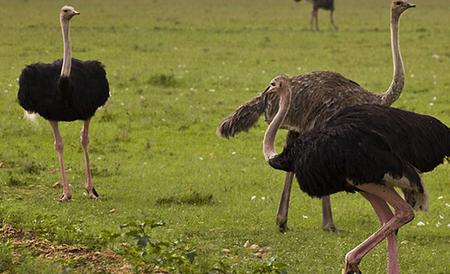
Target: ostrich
x: 321, y: 4
x: 316, y: 97
x: 369, y: 149
x: 66, y: 90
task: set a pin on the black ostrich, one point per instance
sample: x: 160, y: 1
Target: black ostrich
x: 66, y: 90
x: 367, y: 148
x: 321, y: 4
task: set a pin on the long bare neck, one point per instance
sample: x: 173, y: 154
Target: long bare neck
x: 271, y: 132
x: 396, y: 87
x: 67, y: 59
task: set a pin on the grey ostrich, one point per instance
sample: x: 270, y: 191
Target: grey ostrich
x: 368, y: 149
x: 316, y: 96
x: 320, y: 4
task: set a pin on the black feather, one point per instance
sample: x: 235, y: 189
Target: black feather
x: 362, y: 144
x: 43, y: 91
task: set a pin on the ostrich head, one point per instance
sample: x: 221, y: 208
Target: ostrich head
x: 399, y: 6
x: 67, y: 12
x: 279, y: 85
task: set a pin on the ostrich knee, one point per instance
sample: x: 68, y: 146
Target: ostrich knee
x: 405, y: 214
x: 84, y: 140
x: 59, y: 146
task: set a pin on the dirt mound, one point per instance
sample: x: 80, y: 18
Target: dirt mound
x: 98, y: 261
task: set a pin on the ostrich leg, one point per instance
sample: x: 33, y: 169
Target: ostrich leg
x: 282, y: 215
x: 384, y: 214
x: 327, y: 216
x: 311, y: 22
x: 403, y: 214
x: 59, y: 147
x: 316, y: 19
x: 85, y: 142
x: 332, y: 20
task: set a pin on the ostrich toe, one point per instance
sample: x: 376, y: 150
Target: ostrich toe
x: 351, y: 269
x: 65, y: 198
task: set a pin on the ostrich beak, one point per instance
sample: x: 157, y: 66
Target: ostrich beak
x: 76, y: 12
x: 411, y: 5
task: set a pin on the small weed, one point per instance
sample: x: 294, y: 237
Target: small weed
x: 32, y: 167
x: 193, y: 198
x: 14, y: 180
x: 6, y: 259
x: 163, y: 80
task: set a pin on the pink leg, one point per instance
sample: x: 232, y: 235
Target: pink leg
x: 282, y: 215
x: 327, y: 216
x: 85, y: 142
x: 384, y: 214
x: 403, y: 214
x: 59, y: 147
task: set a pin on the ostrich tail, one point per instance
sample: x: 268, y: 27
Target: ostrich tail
x: 243, y: 118
x: 32, y: 117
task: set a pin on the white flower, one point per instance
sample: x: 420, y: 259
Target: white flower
x: 253, y: 197
x: 420, y: 223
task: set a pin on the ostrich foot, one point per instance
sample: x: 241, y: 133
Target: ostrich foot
x: 65, y: 198
x: 330, y: 227
x: 351, y: 269
x: 92, y: 194
x: 282, y: 225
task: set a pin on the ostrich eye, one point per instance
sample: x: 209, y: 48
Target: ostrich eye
x: 272, y: 84
x: 65, y: 10
x: 398, y: 3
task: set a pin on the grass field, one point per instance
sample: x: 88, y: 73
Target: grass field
x: 176, y: 68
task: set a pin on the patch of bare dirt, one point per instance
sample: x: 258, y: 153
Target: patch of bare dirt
x: 98, y: 261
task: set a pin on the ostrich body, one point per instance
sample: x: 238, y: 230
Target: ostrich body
x: 66, y: 90
x: 321, y: 4
x: 316, y: 96
x: 369, y: 149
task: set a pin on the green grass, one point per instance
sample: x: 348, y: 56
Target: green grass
x: 176, y: 68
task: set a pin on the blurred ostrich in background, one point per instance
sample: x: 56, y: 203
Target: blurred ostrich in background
x: 66, y: 90
x: 321, y: 4
x: 369, y: 149
x: 317, y: 96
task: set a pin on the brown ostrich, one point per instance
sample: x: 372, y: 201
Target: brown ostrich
x: 317, y: 96
x: 321, y: 4
x: 370, y: 149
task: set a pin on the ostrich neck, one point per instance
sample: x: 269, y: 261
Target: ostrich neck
x: 396, y: 87
x: 67, y: 59
x: 271, y: 132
